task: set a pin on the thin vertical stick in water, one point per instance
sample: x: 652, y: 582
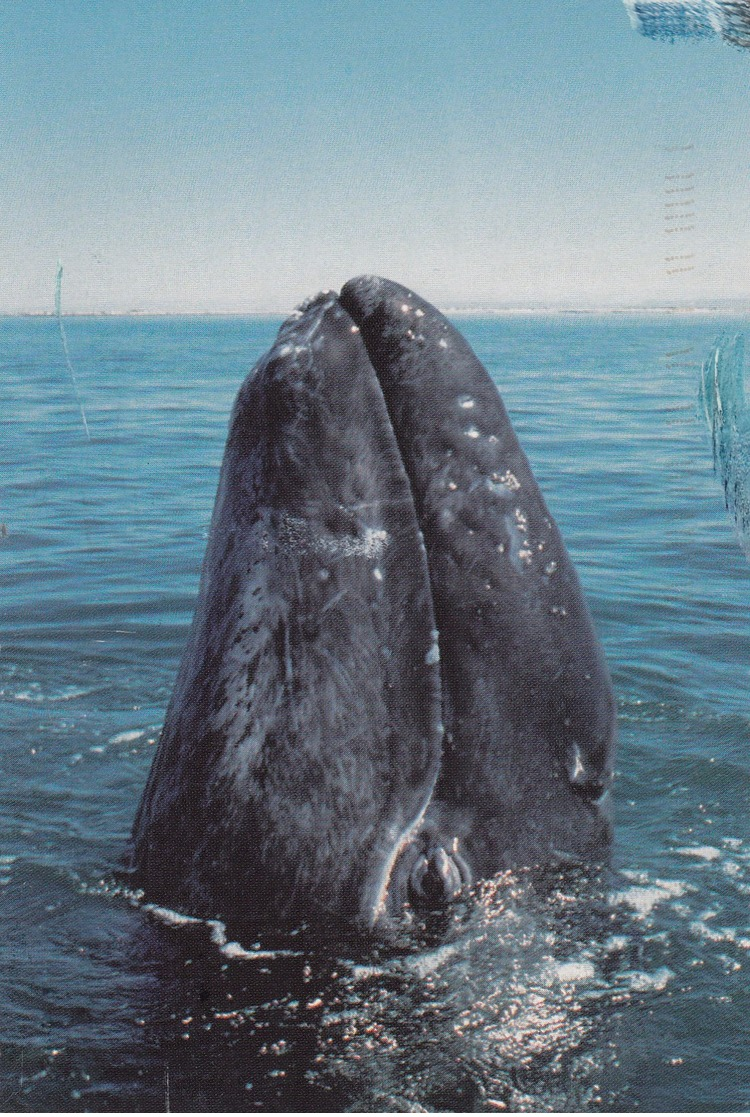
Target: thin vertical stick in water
x: 58, y: 312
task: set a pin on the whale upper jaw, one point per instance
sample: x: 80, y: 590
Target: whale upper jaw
x: 522, y: 671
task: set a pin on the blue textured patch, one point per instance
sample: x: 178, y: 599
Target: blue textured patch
x: 692, y: 19
x: 674, y: 19
x: 722, y: 402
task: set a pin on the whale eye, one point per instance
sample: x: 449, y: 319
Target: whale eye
x: 437, y: 878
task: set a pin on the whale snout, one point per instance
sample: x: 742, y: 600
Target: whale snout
x: 392, y: 658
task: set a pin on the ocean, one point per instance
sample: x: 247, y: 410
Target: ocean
x: 626, y: 992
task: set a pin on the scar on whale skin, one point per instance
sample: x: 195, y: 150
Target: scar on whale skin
x: 392, y: 685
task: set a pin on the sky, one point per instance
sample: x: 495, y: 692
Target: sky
x: 239, y: 156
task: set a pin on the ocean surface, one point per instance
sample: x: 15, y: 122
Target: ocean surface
x: 626, y: 992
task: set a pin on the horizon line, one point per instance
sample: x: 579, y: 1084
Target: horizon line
x: 736, y: 305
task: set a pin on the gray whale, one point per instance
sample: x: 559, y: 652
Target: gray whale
x: 392, y: 686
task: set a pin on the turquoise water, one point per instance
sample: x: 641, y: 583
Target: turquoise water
x: 629, y: 993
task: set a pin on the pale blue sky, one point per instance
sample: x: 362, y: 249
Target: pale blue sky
x: 239, y: 156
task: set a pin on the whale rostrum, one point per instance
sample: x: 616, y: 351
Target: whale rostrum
x: 392, y: 686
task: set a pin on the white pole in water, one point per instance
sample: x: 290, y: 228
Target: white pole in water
x: 58, y: 312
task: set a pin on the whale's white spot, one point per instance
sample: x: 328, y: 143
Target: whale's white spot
x: 433, y: 655
x: 443, y: 343
x: 472, y: 432
x: 466, y: 402
x: 297, y: 536
x: 377, y: 574
x: 502, y: 483
x: 577, y: 768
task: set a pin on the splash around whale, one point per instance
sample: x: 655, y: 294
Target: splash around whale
x: 392, y: 687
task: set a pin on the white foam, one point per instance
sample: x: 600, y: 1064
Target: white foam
x: 67, y: 694
x: 732, y: 869
x: 703, y: 853
x: 234, y: 950
x: 366, y: 973
x: 699, y: 927
x: 218, y: 932
x: 171, y: 918
x: 644, y: 899
x: 641, y: 982
x: 126, y: 736
x: 430, y: 962
x: 569, y: 973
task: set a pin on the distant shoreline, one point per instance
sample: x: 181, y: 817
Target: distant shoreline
x: 735, y: 308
